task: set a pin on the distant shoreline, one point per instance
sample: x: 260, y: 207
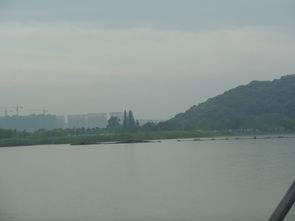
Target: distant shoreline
x: 141, y: 137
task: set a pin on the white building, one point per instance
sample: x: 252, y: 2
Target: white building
x: 97, y: 120
x: 92, y: 120
x: 77, y: 121
x: 60, y: 122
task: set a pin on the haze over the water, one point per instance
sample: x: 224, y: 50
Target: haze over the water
x: 156, y: 57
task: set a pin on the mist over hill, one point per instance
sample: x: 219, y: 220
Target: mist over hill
x: 263, y: 105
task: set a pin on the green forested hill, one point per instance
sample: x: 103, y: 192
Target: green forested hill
x: 265, y: 105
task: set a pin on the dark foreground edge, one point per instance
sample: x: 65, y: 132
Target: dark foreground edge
x: 285, y: 205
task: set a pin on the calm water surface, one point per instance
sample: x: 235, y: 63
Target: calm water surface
x: 175, y: 181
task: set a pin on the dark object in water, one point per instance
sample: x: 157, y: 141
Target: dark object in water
x: 85, y: 143
x: 115, y: 142
x: 134, y: 141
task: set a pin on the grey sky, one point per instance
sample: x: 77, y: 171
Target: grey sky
x: 155, y: 57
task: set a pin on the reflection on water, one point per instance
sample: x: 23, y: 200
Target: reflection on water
x: 216, y: 180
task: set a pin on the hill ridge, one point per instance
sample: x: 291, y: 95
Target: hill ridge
x: 257, y: 105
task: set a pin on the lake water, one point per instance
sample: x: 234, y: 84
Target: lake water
x: 171, y: 181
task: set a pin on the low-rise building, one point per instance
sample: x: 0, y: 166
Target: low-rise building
x: 97, y: 120
x: 92, y: 120
x: 77, y: 121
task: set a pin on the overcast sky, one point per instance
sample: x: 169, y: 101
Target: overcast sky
x: 156, y: 57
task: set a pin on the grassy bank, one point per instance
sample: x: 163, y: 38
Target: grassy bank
x: 115, y: 137
x: 17, y: 141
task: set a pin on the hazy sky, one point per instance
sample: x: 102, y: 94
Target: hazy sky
x: 156, y: 57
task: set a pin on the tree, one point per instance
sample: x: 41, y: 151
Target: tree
x: 113, y: 123
x: 125, y: 121
x: 131, y: 121
x: 137, y: 123
x: 5, y: 133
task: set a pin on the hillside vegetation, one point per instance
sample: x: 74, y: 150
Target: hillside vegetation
x: 263, y: 105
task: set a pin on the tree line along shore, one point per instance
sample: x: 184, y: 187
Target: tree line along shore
x: 96, y: 136
x: 260, y: 107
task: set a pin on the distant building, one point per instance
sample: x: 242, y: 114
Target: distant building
x: 119, y: 115
x: 60, y: 122
x: 97, y: 120
x: 92, y: 120
x: 77, y: 121
x: 30, y: 122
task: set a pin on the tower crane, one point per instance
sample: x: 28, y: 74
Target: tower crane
x: 17, y: 109
x: 6, y: 110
